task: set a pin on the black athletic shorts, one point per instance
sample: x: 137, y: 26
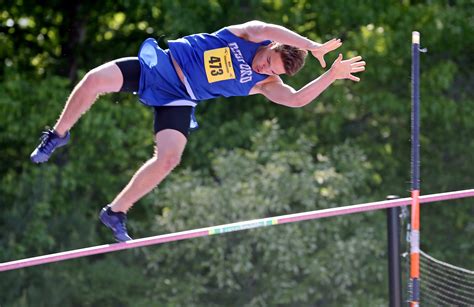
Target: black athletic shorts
x: 171, y: 117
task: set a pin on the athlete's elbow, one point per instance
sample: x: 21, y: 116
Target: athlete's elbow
x: 291, y: 99
x: 291, y: 103
x: 257, y: 29
x: 256, y: 23
x: 287, y: 101
x: 298, y: 102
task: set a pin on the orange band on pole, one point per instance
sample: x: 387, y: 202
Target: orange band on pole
x: 415, y: 235
x: 415, y: 265
x: 415, y: 209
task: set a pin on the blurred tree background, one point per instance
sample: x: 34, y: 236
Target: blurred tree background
x: 250, y: 158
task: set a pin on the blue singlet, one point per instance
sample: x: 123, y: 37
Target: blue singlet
x: 217, y: 64
x: 214, y: 65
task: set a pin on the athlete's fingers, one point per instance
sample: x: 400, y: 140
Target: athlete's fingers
x: 322, y: 61
x: 358, y: 64
x: 355, y: 59
x: 334, y: 45
x: 334, y: 41
x: 357, y: 69
x: 354, y: 78
x: 328, y: 47
x: 331, y: 41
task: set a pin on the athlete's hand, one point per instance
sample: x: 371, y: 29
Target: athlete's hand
x: 343, y: 69
x: 321, y: 50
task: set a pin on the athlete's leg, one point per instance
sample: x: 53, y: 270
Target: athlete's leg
x: 170, y: 145
x: 106, y: 78
x: 119, y: 75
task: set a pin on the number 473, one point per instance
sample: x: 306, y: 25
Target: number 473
x: 215, y: 62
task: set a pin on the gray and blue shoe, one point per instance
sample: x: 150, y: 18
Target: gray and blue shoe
x: 49, y: 142
x: 116, y: 221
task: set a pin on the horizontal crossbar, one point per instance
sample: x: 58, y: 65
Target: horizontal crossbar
x: 214, y: 230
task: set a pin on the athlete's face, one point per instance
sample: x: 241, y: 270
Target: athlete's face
x: 267, y: 61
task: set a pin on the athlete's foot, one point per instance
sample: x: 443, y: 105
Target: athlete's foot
x: 116, y: 221
x: 50, y: 140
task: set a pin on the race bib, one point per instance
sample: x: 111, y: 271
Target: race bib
x: 218, y: 65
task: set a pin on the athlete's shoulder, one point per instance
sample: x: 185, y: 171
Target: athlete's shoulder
x: 248, y: 31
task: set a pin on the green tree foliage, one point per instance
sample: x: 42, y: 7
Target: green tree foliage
x: 351, y: 145
x: 289, y: 264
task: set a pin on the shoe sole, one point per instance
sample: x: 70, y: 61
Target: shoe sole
x: 45, y: 158
x: 102, y: 212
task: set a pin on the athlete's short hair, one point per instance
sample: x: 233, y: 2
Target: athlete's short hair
x: 293, y: 58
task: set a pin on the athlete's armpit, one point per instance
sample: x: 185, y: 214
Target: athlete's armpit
x: 276, y: 91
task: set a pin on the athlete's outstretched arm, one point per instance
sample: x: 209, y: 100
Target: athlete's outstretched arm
x: 275, y: 90
x: 258, y: 31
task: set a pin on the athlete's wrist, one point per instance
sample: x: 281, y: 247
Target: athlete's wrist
x: 332, y: 73
x: 313, y: 46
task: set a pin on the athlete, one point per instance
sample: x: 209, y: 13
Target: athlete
x: 237, y: 60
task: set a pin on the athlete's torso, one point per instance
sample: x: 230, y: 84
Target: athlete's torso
x: 217, y: 64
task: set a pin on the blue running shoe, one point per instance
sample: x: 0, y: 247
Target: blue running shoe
x: 115, y: 221
x: 49, y: 142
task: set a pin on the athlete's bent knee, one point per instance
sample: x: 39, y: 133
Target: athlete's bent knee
x: 92, y: 82
x: 171, y: 161
x: 168, y: 161
x: 103, y: 79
